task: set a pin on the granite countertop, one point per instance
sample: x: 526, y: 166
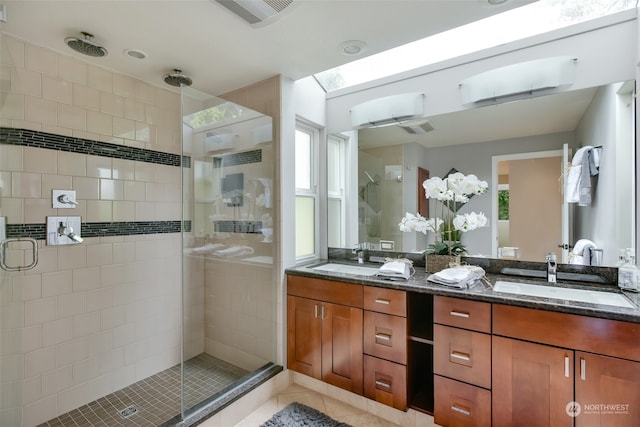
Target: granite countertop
x: 482, y: 291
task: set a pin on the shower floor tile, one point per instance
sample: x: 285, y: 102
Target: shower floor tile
x: 156, y: 399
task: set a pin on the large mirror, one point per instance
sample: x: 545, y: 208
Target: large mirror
x: 517, y: 147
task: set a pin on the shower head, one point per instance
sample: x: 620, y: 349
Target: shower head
x: 86, y: 45
x: 177, y: 79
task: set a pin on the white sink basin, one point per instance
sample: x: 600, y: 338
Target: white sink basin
x: 555, y: 292
x: 348, y: 269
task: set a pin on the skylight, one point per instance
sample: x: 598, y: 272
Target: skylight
x: 533, y: 19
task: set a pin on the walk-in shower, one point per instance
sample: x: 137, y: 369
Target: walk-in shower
x: 165, y: 310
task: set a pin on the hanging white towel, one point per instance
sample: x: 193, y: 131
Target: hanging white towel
x: 584, y: 165
x: 266, y: 183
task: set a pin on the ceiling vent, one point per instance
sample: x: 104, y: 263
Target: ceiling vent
x: 256, y: 11
x: 417, y: 127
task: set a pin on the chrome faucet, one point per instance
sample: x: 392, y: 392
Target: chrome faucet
x: 552, y: 266
x: 362, y: 250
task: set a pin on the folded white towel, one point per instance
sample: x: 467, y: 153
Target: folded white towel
x: 207, y: 248
x: 396, y: 270
x: 235, y: 251
x: 460, y: 277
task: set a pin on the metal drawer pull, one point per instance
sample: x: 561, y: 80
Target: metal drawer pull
x: 322, y: 311
x: 383, y: 301
x: 383, y: 384
x: 315, y: 310
x: 461, y: 410
x: 583, y: 369
x: 461, y: 356
x: 385, y: 337
x: 460, y: 314
x: 3, y: 254
x: 566, y: 366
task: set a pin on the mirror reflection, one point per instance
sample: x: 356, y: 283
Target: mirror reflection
x: 522, y: 150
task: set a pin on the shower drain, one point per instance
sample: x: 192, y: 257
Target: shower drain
x: 128, y: 411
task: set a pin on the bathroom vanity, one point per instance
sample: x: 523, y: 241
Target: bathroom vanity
x: 469, y: 357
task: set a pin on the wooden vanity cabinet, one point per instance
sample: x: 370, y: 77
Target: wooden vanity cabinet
x: 324, y: 331
x: 545, y: 361
x: 385, y: 346
x: 462, y: 362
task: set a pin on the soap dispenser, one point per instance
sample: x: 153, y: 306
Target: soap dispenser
x: 628, y: 273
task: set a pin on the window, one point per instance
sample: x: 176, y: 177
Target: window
x: 336, y: 151
x: 306, y: 148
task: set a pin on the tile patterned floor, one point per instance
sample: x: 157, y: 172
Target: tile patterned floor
x: 156, y: 399
x: 336, y: 409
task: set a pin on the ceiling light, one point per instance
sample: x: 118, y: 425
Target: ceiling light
x: 496, y: 1
x: 352, y: 47
x: 135, y: 53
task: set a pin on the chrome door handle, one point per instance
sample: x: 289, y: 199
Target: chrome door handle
x: 3, y: 254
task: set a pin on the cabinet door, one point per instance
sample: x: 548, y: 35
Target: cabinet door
x: 304, y: 338
x: 342, y: 346
x: 532, y: 384
x: 607, y: 391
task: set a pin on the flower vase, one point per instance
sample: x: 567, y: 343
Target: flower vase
x: 437, y: 263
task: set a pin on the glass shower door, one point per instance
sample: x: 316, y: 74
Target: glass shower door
x: 229, y: 287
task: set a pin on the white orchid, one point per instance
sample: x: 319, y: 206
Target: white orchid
x: 469, y: 221
x: 417, y: 222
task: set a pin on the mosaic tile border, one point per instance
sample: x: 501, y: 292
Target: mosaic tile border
x: 251, y: 227
x: 104, y: 229
x: 51, y: 141
x: 242, y: 158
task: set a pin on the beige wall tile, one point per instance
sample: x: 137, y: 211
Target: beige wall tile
x: 111, y: 189
x: 13, y: 209
x: 124, y: 128
x: 99, y: 211
x: 154, y: 115
x: 72, y: 117
x: 99, y: 299
x: 86, y: 188
x: 86, y: 324
x: 111, y: 104
x: 168, y: 100
x: 56, y: 90
x: 85, y: 370
x: 145, y: 172
x: 72, y: 257
x: 99, y: 123
x: 74, y: 164
x: 134, y: 110
x: 40, y: 110
x: 57, y: 283
x: 39, y: 311
x: 41, y: 60
x: 72, y: 304
x: 57, y: 130
x: 11, y: 158
x: 39, y: 160
x: 86, y: 135
x: 31, y: 338
x: 99, y: 78
x: 124, y: 86
x: 155, y: 192
x: 143, y: 132
x: 47, y: 260
x: 26, y: 124
x: 85, y: 96
x: 57, y: 331
x: 86, y: 278
x: 98, y: 255
x: 26, y: 82
x: 13, y: 107
x: 99, y: 167
x: 72, y: 70
x: 26, y: 288
x: 55, y: 182
x: 28, y: 185
x: 124, y: 210
x: 144, y: 92
x: 123, y: 169
x: 36, y: 210
x: 5, y: 183
x: 31, y: 390
x: 15, y: 52
x: 112, y: 317
x: 145, y: 211
x: 40, y: 411
x: 71, y: 351
x: 124, y: 252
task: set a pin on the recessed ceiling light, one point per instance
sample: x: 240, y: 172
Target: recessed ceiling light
x: 496, y: 1
x: 352, y: 47
x: 135, y: 53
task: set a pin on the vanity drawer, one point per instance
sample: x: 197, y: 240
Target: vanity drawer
x: 462, y: 313
x: 460, y: 404
x: 325, y: 290
x: 389, y: 301
x: 385, y: 336
x: 462, y: 355
x: 385, y: 382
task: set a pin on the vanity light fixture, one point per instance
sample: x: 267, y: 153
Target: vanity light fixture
x: 388, y: 110
x: 523, y: 78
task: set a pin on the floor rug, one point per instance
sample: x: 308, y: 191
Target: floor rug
x: 299, y: 415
